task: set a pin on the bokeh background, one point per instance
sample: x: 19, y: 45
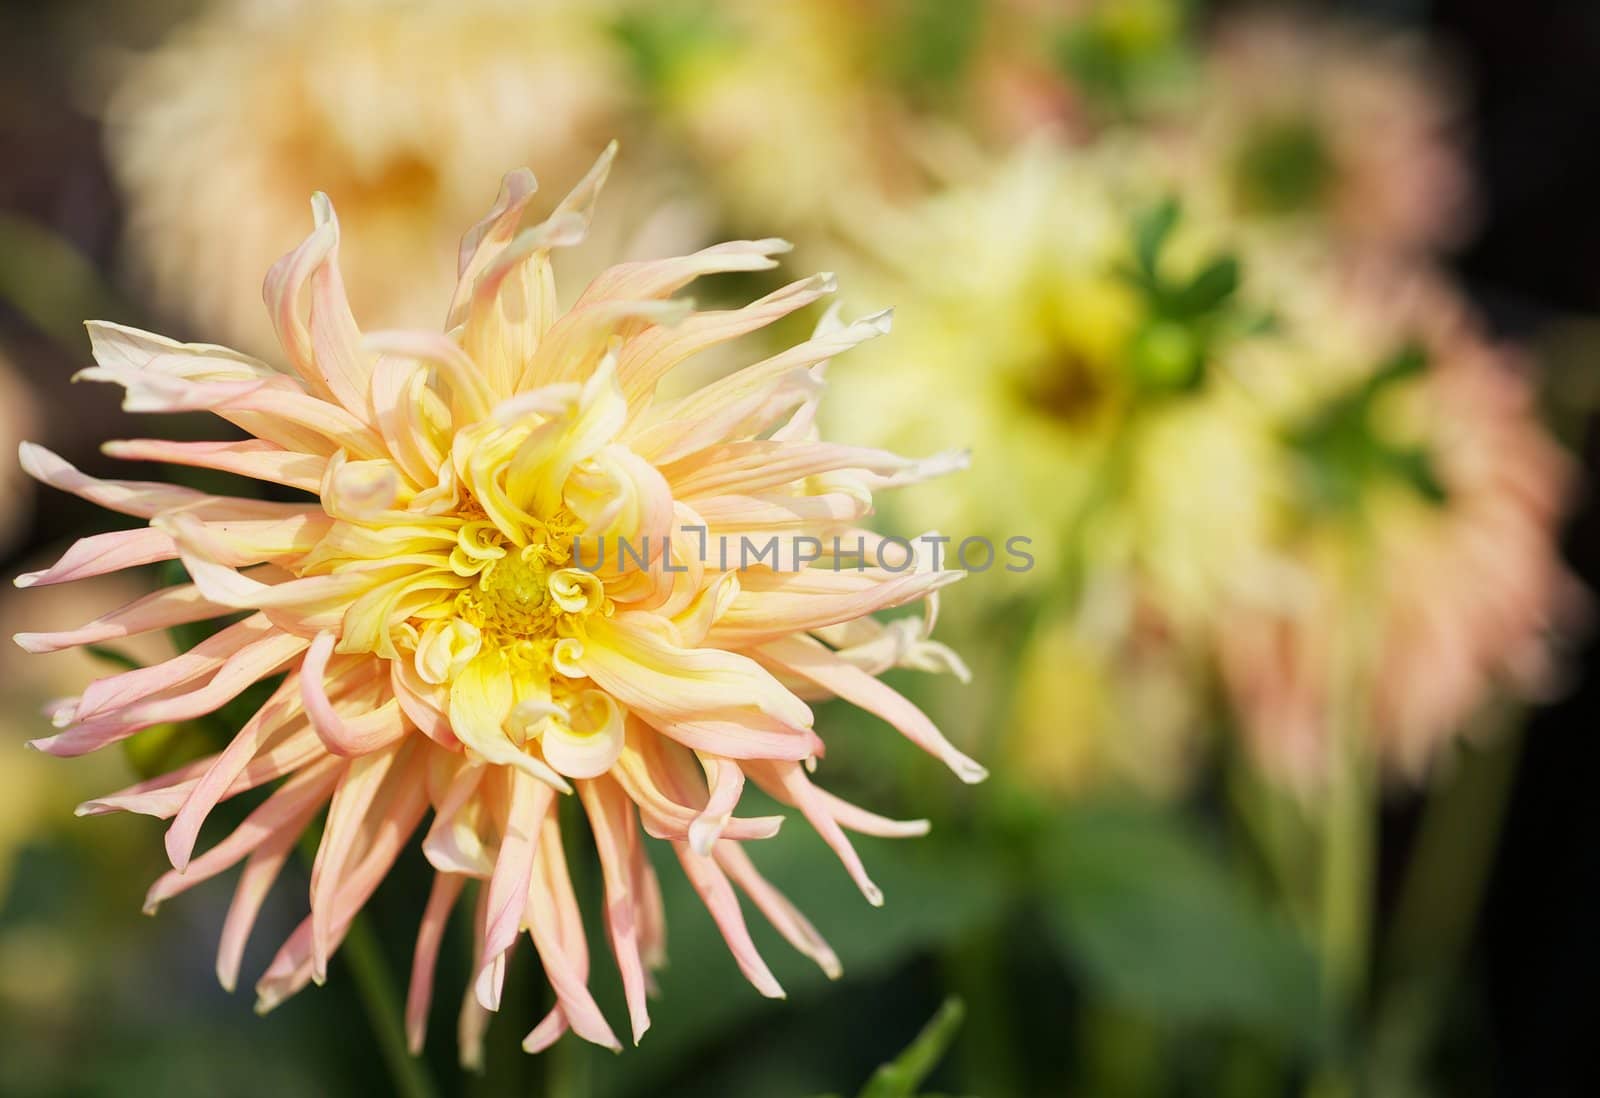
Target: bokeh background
x: 1274, y: 326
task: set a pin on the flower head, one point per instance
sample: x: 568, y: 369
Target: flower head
x: 512, y: 584
x: 1092, y: 378
x: 1424, y: 549
x: 1336, y: 124
x: 399, y: 111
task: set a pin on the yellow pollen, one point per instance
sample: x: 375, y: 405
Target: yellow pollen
x: 512, y: 597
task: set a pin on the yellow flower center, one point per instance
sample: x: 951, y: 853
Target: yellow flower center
x: 512, y: 597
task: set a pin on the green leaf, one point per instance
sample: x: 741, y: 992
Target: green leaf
x: 703, y: 997
x: 1342, y: 451
x: 1151, y: 230
x: 1150, y: 915
x: 165, y: 747
x: 113, y: 656
x: 1408, y: 362
x: 902, y: 1076
x: 1209, y: 290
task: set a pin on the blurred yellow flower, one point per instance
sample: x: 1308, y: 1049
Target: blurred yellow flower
x: 1104, y: 698
x: 398, y: 110
x: 1028, y: 341
x: 1073, y: 331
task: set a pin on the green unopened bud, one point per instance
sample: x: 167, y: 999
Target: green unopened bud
x: 1166, y: 356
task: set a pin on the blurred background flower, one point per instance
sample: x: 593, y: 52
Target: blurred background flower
x: 1268, y: 327
x: 1427, y: 506
x: 407, y: 114
x: 1350, y: 124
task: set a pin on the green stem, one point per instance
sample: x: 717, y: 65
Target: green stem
x: 1349, y: 834
x: 1440, y: 900
x: 974, y: 969
x: 364, y: 958
x: 378, y: 995
x: 1349, y: 831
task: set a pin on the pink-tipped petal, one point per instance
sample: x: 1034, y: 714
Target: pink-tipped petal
x: 419, y: 995
x: 508, y: 887
x: 811, y: 660
x: 708, y: 880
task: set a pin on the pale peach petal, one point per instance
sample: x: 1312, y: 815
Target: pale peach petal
x: 809, y: 659
x: 163, y: 796
x: 772, y: 605
x: 647, y: 358
x: 651, y: 278
x: 484, y: 242
x: 771, y: 372
x: 738, y: 735
x: 430, y: 935
x: 349, y: 821
x: 508, y: 886
x: 119, y: 348
x: 295, y: 964
x: 471, y: 395
x: 611, y: 819
x: 289, y: 809
x: 127, y: 687
x: 325, y: 347
x: 142, y: 499
x: 273, y: 716
x: 757, y: 465
x: 261, y: 870
x: 727, y: 783
x: 454, y: 843
x: 253, y: 458
x: 637, y: 661
x: 557, y: 931
x: 164, y: 609
x: 784, y: 916
x: 718, y: 896
x: 100, y: 554
x: 425, y: 704
x: 370, y: 731
x: 787, y: 783
x: 666, y: 813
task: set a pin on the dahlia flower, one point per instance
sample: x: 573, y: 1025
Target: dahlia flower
x: 399, y: 111
x: 1081, y: 63
x: 1338, y: 124
x: 508, y: 586
x: 1426, y: 528
x: 1026, y: 269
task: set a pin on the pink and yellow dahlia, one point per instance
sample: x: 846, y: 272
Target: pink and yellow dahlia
x: 1424, y: 565
x: 509, y: 584
x: 1337, y: 124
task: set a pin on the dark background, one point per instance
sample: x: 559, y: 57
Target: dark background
x: 1532, y: 71
x: 1535, y: 99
